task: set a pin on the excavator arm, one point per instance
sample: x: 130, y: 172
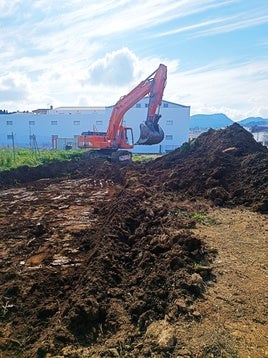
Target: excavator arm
x: 150, y: 131
x: 123, y: 105
x: 153, y: 85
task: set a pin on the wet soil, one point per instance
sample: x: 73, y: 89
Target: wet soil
x: 158, y: 259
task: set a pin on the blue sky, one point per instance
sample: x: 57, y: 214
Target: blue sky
x: 90, y: 53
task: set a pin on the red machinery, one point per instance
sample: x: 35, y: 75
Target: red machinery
x: 120, y: 137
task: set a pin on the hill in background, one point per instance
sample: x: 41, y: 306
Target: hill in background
x: 215, y: 121
x: 220, y: 120
x: 253, y: 121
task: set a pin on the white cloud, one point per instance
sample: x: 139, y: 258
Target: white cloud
x: 52, y: 25
x: 14, y: 87
x: 220, y: 25
x: 92, y: 53
x: 7, y: 8
x: 114, y: 69
x: 238, y: 90
x: 234, y: 23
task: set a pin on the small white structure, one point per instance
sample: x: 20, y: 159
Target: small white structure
x: 59, y: 127
x: 260, y: 133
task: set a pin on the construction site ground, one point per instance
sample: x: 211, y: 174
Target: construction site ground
x: 166, y: 258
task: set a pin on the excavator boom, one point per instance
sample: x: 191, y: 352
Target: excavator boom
x: 150, y: 131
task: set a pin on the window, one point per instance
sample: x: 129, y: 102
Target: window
x: 10, y: 136
x: 165, y: 104
x: 32, y: 137
x: 169, y: 122
x: 31, y: 123
x: 76, y: 123
x: 9, y: 123
x: 146, y: 105
x: 54, y: 123
x: 138, y: 105
x: 169, y: 137
x: 99, y: 123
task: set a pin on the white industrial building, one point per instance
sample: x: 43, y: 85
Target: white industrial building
x: 58, y: 127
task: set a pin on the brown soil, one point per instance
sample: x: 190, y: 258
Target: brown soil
x: 163, y: 259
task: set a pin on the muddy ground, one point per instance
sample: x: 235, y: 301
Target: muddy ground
x: 159, y: 259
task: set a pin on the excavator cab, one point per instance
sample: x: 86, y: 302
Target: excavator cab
x: 125, y: 138
x: 150, y: 132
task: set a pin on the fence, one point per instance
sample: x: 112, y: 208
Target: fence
x: 64, y: 143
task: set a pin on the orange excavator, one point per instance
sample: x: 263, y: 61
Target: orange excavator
x: 121, y: 137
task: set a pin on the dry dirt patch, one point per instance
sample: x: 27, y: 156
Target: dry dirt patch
x: 234, y: 313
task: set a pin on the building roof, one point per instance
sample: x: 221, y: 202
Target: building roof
x: 79, y: 108
x: 92, y: 108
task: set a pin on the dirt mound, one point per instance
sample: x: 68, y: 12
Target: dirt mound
x: 102, y: 257
x: 74, y: 168
x: 225, y: 166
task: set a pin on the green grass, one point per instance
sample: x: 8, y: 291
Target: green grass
x: 144, y: 157
x: 199, y: 217
x: 10, y: 158
x: 204, y: 219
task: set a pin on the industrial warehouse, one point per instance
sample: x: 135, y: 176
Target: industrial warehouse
x: 59, y: 128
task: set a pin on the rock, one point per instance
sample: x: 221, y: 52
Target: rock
x: 196, y: 279
x: 161, y: 334
x: 180, y: 303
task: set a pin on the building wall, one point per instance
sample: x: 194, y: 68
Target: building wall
x: 68, y: 122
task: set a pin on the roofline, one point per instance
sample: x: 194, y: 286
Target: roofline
x: 78, y: 107
x: 176, y: 104
x: 94, y: 108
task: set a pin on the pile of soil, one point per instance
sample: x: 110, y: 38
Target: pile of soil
x: 102, y: 259
x: 225, y: 166
x: 74, y: 168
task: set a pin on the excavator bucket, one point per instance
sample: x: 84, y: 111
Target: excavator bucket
x: 150, y: 133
